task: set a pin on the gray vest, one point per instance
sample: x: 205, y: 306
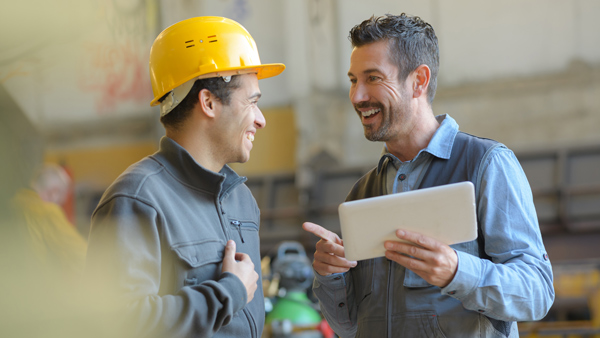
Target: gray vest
x: 464, y: 164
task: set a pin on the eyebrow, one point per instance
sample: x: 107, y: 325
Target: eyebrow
x: 255, y: 95
x: 367, y: 71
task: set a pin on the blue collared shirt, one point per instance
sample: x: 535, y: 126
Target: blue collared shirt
x: 514, y: 285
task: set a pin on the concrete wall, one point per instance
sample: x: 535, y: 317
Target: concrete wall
x: 523, y: 72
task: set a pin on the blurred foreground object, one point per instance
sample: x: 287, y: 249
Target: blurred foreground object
x: 52, y: 238
x: 38, y: 300
x: 293, y: 313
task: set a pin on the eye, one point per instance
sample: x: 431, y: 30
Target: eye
x: 373, y: 78
x: 352, y: 80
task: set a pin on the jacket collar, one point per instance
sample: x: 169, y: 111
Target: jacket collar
x: 179, y: 163
x: 439, y: 146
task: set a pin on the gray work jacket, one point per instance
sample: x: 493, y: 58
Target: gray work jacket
x: 157, y: 240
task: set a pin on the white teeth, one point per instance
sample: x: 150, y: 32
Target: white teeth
x: 250, y: 137
x: 370, y: 112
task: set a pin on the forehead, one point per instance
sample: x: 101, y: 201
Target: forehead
x: 371, y: 57
x: 248, y: 84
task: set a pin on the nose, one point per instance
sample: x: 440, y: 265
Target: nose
x: 259, y: 119
x: 358, y: 93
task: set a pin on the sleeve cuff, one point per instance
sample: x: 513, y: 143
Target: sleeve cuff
x: 466, y: 278
x: 333, y: 281
x: 236, y: 289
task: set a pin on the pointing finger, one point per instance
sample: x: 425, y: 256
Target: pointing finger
x: 321, y: 232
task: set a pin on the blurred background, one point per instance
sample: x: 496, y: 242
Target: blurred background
x: 75, y: 92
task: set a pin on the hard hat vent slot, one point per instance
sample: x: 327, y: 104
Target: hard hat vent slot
x: 189, y: 41
x: 210, y: 37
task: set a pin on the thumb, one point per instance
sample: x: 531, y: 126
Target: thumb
x: 229, y: 252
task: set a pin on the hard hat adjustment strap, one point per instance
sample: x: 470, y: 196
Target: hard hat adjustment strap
x: 175, y: 97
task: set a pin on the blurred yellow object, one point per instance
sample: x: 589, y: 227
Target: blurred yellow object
x: 579, y: 284
x: 53, y: 239
x: 576, y: 285
x: 202, y: 47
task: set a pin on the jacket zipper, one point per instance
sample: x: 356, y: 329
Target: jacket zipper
x: 251, y: 321
x: 219, y: 199
x: 389, y: 299
x: 223, y: 221
x: 238, y: 224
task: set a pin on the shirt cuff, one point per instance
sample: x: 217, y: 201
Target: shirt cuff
x: 333, y: 281
x: 466, y: 278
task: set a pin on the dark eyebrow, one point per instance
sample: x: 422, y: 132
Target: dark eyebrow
x: 255, y: 95
x: 367, y: 71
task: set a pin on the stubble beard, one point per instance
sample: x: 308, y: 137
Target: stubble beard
x: 381, y: 133
x: 389, y: 118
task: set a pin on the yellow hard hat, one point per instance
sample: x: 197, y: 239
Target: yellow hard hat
x: 198, y: 48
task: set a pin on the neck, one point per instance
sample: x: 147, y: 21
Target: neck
x: 414, y: 138
x: 198, y: 145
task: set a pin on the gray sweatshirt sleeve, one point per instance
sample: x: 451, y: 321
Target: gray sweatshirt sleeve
x: 124, y: 260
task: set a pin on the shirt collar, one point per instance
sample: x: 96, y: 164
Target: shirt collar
x: 439, y: 146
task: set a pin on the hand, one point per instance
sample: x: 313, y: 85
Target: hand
x: 240, y: 265
x: 432, y: 260
x: 329, y: 256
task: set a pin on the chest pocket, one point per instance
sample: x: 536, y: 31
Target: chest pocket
x: 412, y: 280
x: 201, y: 260
x: 246, y: 230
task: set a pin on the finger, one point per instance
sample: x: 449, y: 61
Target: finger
x: 326, y: 269
x: 229, y: 251
x: 407, y: 248
x: 242, y: 257
x: 334, y: 260
x: 330, y: 248
x: 406, y: 261
x: 321, y: 232
x: 417, y: 238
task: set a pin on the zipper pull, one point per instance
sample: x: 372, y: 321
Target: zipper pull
x: 238, y: 224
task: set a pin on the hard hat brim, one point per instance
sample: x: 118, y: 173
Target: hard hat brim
x: 262, y: 71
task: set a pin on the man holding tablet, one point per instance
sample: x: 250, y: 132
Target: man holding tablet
x: 425, y: 288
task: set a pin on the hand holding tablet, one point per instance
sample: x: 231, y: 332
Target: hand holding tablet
x: 446, y: 213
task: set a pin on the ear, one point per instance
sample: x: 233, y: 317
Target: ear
x: 208, y: 103
x: 421, y: 77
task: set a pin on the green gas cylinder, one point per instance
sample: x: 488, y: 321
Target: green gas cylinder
x: 295, y: 307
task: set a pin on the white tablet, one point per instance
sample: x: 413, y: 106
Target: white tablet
x: 446, y: 213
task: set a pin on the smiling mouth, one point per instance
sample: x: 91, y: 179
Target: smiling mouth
x: 250, y: 137
x: 370, y: 113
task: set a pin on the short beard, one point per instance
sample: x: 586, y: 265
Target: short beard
x: 388, y: 121
x: 381, y: 134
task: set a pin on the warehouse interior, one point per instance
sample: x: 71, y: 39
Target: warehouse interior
x: 75, y: 91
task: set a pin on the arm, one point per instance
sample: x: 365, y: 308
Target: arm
x: 124, y: 260
x: 516, y: 285
x: 333, y: 282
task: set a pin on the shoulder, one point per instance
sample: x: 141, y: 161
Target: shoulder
x: 135, y: 180
x: 469, y: 140
x: 366, y: 186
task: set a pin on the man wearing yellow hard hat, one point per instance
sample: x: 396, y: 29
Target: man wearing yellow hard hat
x: 175, y: 237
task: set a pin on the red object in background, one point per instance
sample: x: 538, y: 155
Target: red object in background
x: 69, y: 205
x: 325, y: 329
